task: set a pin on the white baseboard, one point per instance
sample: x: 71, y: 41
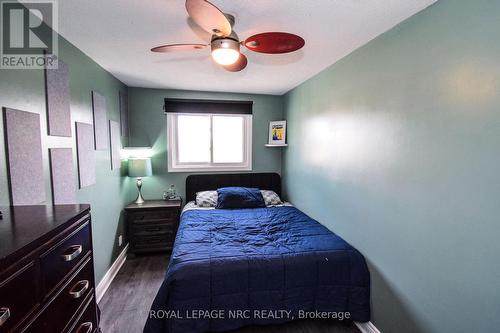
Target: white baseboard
x: 367, y: 327
x: 103, y: 286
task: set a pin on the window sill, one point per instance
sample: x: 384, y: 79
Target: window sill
x: 208, y: 169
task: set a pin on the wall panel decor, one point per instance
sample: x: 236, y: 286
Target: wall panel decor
x: 57, y: 93
x: 116, y: 145
x: 24, y: 157
x: 100, y: 121
x: 85, y: 153
x: 63, y: 176
x: 124, y: 130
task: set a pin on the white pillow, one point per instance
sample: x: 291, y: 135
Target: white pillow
x: 271, y: 198
x: 206, y: 199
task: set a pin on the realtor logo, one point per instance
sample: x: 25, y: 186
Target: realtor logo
x: 28, y: 37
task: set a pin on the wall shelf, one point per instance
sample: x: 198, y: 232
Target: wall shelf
x: 283, y: 145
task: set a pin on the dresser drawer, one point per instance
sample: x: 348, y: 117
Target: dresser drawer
x: 87, y: 323
x: 153, y: 216
x: 154, y: 229
x: 64, y: 306
x: 18, y: 297
x: 62, y: 258
x: 153, y: 242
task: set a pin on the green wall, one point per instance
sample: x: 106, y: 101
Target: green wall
x: 148, y: 128
x: 396, y: 148
x: 24, y: 89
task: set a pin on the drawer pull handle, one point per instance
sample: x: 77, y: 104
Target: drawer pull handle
x: 76, y: 251
x: 4, y: 315
x: 84, y: 285
x: 87, y: 325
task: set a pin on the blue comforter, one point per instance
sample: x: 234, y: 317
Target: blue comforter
x: 231, y: 268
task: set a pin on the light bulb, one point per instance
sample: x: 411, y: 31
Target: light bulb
x: 225, y: 57
x: 225, y: 51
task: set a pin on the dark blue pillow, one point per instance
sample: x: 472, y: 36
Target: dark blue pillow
x: 239, y: 197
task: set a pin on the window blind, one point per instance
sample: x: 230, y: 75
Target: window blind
x: 175, y: 105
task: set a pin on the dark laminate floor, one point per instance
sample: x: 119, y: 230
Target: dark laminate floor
x: 127, y: 301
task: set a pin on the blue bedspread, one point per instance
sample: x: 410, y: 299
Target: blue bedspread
x: 272, y: 264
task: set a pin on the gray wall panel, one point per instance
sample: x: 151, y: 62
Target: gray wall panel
x: 24, y: 148
x: 86, y: 155
x: 100, y: 121
x: 116, y: 145
x: 63, y: 176
x: 58, y: 96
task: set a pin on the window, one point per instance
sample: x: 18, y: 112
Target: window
x: 209, y: 142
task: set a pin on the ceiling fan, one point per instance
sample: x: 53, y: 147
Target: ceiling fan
x: 225, y: 44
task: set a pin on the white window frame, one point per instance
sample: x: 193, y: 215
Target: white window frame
x: 172, y: 146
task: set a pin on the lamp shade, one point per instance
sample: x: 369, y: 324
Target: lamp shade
x: 139, y: 167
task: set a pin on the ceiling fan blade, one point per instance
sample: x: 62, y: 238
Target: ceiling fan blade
x: 239, y: 65
x: 209, y: 17
x: 178, y: 47
x: 274, y: 42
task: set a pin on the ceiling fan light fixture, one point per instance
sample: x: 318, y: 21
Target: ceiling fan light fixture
x: 225, y: 51
x: 225, y: 43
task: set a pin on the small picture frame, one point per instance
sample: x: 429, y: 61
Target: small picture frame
x: 277, y: 132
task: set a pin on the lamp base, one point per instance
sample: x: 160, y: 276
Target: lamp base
x: 140, y: 199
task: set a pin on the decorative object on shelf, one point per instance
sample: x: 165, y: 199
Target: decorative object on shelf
x: 139, y: 167
x: 277, y: 134
x: 172, y: 193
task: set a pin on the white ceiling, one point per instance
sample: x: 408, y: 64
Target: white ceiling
x: 118, y: 35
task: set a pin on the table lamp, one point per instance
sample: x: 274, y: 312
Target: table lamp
x: 139, y: 167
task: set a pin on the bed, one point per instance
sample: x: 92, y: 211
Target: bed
x: 235, y: 267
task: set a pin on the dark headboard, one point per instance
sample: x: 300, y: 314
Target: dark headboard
x: 264, y: 181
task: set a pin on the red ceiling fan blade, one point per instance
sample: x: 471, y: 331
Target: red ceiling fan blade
x: 178, y: 47
x: 239, y: 65
x: 209, y: 17
x: 274, y: 42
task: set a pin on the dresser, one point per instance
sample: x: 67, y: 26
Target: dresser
x: 152, y: 226
x: 46, y: 270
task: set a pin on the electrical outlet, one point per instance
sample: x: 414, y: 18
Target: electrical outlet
x: 120, y: 240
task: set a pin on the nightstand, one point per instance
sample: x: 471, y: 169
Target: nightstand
x: 152, y: 226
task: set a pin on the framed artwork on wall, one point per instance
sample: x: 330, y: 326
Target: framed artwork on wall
x: 277, y: 133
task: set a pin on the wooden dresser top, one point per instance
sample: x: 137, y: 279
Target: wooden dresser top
x: 155, y: 204
x: 23, y: 225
